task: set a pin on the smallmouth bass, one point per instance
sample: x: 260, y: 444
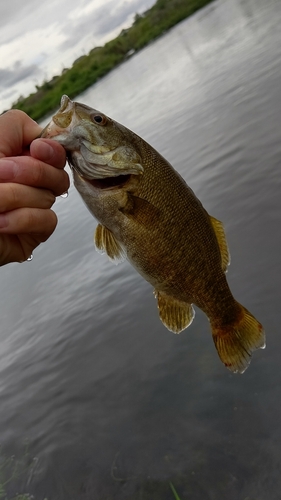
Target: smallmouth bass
x: 148, y: 214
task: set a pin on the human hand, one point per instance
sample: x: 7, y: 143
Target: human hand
x: 31, y: 176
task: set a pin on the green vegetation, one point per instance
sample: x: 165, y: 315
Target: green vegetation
x: 15, y: 471
x: 174, y: 491
x: 86, y: 70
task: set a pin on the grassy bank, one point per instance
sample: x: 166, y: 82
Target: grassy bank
x: 89, y: 68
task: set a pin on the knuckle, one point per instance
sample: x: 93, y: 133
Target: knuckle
x: 14, y: 194
x: 31, y: 219
x: 38, y: 174
x: 16, y: 113
x: 49, y: 199
x: 66, y: 180
x: 50, y: 224
x: 8, y: 197
x: 4, y: 197
x: 52, y: 197
x: 42, y: 221
x: 60, y: 182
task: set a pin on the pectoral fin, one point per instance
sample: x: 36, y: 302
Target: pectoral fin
x: 221, y: 238
x: 106, y: 242
x: 140, y: 210
x: 174, y: 314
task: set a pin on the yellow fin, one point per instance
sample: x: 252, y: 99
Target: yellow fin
x: 106, y: 242
x: 174, y: 314
x: 221, y: 238
x: 235, y: 343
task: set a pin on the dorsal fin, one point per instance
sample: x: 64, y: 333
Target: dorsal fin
x: 106, y: 242
x: 174, y: 314
x: 221, y: 238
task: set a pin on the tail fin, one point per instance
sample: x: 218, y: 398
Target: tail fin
x: 235, y: 343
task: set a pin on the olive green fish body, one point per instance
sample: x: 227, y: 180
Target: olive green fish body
x: 156, y: 225
x: 148, y: 214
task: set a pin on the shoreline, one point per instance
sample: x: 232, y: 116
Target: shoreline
x: 88, y: 69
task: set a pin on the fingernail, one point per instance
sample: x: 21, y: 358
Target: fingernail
x: 3, y: 220
x: 8, y: 169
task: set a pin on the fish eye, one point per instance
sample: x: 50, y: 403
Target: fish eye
x: 99, y: 119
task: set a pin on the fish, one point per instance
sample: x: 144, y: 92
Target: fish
x: 148, y: 214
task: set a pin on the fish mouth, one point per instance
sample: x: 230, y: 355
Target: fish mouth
x: 109, y: 182
x: 103, y: 183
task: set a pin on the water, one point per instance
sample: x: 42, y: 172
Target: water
x: 112, y: 405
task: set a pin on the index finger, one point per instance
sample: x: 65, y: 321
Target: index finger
x: 17, y: 130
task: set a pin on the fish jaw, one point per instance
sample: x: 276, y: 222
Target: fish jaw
x: 61, y: 124
x: 88, y: 149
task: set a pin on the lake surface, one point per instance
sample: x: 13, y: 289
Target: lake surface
x: 111, y: 404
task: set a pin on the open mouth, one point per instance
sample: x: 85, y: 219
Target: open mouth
x: 117, y: 181
x: 109, y: 182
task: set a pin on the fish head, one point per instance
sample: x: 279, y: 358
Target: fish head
x: 97, y: 147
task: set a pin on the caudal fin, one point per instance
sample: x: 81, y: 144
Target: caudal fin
x: 235, y: 343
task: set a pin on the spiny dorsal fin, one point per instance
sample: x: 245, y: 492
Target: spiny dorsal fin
x: 174, y: 314
x: 106, y: 242
x: 221, y: 238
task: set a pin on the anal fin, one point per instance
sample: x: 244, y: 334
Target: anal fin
x: 221, y: 238
x: 174, y: 314
x: 105, y: 242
